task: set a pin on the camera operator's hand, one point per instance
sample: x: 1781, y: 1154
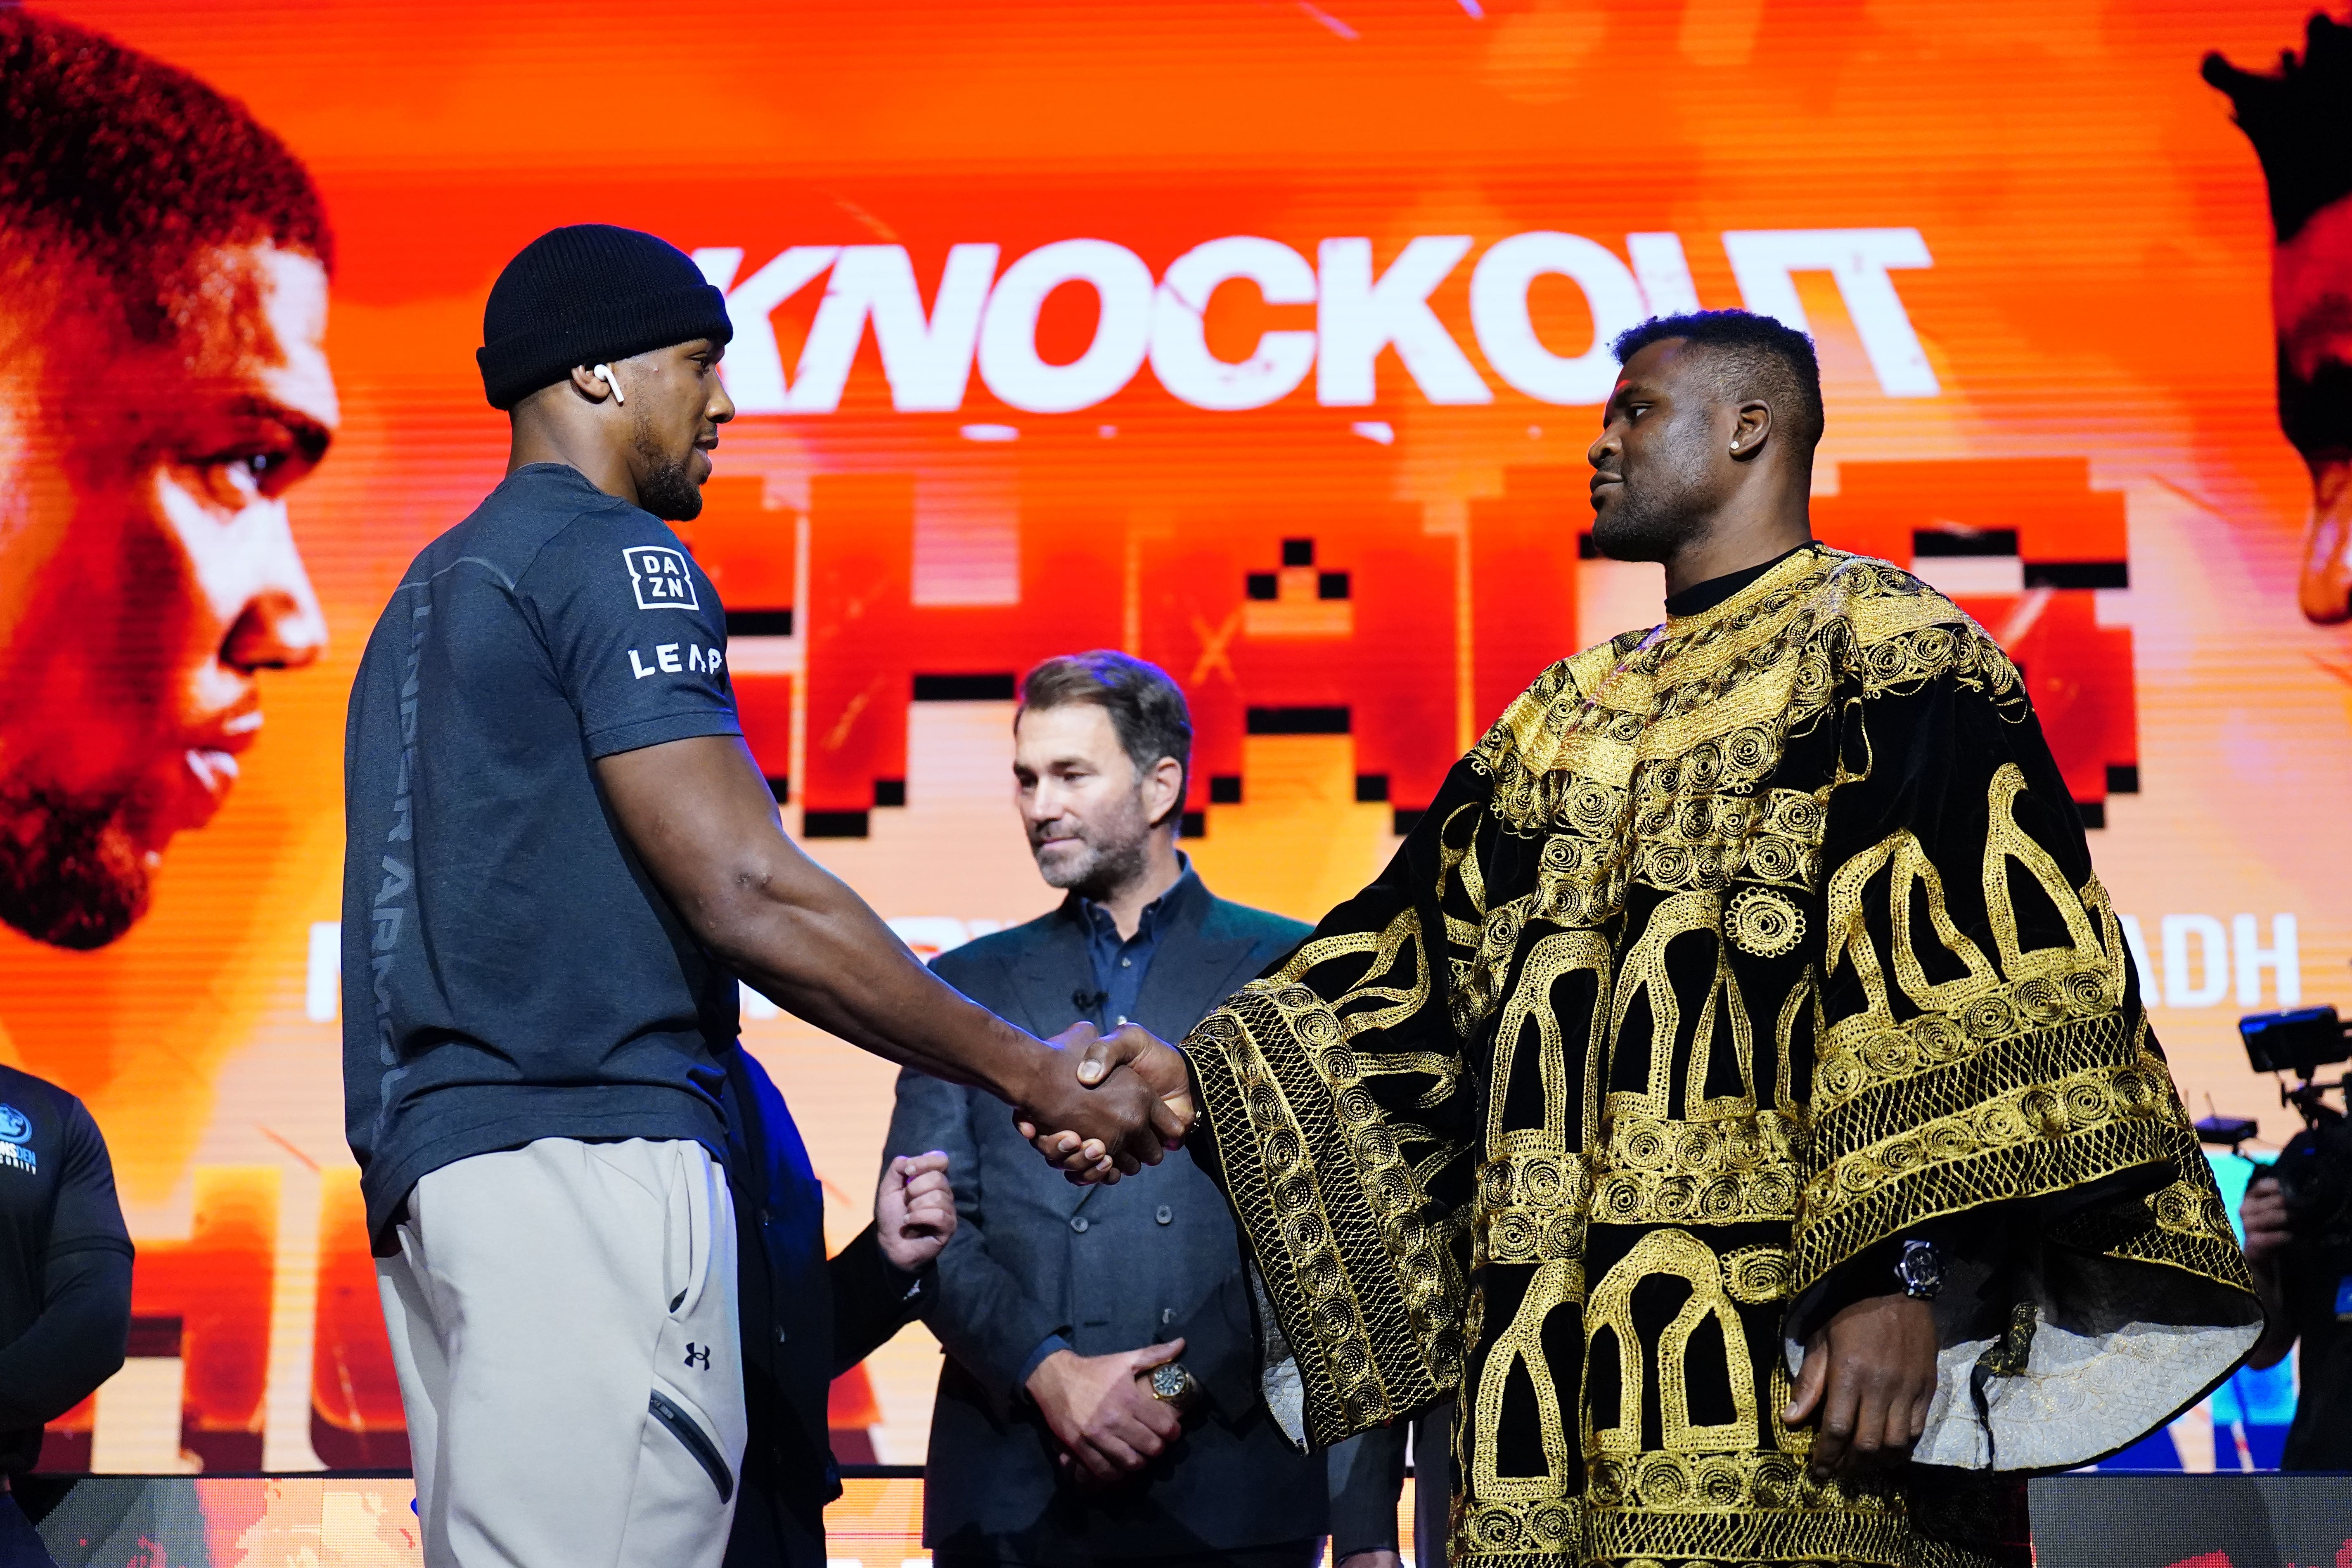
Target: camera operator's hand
x: 2263, y: 1214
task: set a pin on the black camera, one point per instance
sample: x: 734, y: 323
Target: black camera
x: 2315, y: 1168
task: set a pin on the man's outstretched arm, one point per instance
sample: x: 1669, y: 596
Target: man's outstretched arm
x: 700, y: 818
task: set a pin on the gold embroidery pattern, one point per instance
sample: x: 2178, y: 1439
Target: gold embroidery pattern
x: 1278, y: 1186
x: 2188, y: 1208
x: 1643, y: 976
x: 1512, y: 1533
x: 1582, y: 879
x: 1680, y: 1255
x: 1740, y: 684
x: 1704, y: 841
x: 1764, y: 924
x: 1531, y: 1209
x: 1676, y: 789
x: 2008, y: 1355
x: 2015, y: 1077
x: 1650, y: 1539
x: 2030, y: 993
x: 2192, y: 1227
x: 1581, y: 717
x: 1522, y: 1344
x: 1383, y: 1212
x: 1548, y: 961
x: 1755, y: 1274
x: 1567, y: 1535
x: 1677, y: 1483
x: 2038, y: 1138
x: 1651, y: 1171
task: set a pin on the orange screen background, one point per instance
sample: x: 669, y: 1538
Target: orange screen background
x: 2092, y: 315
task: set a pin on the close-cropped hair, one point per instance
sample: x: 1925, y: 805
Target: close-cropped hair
x: 112, y: 159
x: 1147, y: 708
x: 1748, y: 356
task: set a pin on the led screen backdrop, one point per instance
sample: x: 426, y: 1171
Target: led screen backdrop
x: 1258, y: 338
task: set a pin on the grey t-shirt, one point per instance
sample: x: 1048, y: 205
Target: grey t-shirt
x: 509, y: 971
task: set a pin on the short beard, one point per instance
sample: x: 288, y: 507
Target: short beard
x: 1662, y: 514
x: 1106, y: 868
x: 1630, y: 530
x: 665, y: 489
x: 70, y: 874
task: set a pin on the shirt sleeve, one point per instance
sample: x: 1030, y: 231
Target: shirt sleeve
x: 634, y: 629
x: 89, y: 1216
x: 1981, y: 1057
x: 77, y: 1342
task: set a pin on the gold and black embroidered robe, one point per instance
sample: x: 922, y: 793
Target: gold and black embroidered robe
x: 1736, y: 950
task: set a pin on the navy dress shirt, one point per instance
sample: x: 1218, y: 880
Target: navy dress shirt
x: 1120, y: 965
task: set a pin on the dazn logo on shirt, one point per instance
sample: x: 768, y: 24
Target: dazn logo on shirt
x: 659, y: 577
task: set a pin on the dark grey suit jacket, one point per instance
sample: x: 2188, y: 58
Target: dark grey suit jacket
x: 1108, y: 1267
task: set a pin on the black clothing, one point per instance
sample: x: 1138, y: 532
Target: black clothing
x: 1871, y: 1273
x: 1368, y: 1479
x: 1292, y: 1554
x: 509, y: 971
x: 1105, y: 1268
x: 2317, y: 1284
x: 20, y: 1544
x: 586, y: 293
x: 806, y: 1322
x: 65, y: 1263
x: 1706, y: 596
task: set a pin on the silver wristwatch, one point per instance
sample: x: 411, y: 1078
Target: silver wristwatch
x: 1921, y: 1270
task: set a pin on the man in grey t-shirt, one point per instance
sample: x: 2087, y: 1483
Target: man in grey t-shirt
x: 558, y: 859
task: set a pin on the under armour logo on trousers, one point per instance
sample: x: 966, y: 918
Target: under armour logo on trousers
x: 697, y: 1356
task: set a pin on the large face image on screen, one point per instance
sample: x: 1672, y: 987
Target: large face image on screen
x: 1262, y: 340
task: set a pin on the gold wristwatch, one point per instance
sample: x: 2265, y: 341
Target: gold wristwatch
x: 1172, y: 1384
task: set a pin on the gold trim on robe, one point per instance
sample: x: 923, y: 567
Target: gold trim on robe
x: 1737, y: 949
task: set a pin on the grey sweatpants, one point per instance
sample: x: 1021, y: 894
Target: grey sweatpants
x: 564, y: 1322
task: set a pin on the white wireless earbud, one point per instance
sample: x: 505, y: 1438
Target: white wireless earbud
x: 604, y: 373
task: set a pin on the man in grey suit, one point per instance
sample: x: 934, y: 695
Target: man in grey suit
x: 1100, y: 1398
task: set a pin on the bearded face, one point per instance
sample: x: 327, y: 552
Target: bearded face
x: 144, y: 584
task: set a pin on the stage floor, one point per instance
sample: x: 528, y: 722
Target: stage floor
x: 2103, y: 1521
x: 369, y: 1521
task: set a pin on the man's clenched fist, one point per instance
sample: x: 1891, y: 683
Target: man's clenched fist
x: 914, y: 1210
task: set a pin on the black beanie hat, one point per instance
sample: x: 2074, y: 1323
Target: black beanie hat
x: 587, y: 294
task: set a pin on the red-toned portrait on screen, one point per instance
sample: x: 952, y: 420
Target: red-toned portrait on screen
x: 2299, y: 119
x: 162, y: 385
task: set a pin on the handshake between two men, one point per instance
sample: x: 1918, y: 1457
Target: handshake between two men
x: 1133, y: 1104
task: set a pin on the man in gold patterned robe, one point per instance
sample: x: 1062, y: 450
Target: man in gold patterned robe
x: 1744, y: 956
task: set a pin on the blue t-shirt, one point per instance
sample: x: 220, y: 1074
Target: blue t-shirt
x: 510, y: 972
